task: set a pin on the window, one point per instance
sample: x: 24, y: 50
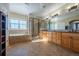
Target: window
x: 17, y: 24
x: 14, y: 24
x: 23, y: 25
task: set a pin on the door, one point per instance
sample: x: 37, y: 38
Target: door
x: 35, y: 28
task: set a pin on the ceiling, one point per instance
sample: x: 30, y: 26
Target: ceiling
x: 34, y: 9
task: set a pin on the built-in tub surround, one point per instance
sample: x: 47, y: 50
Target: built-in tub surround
x: 19, y: 38
x: 16, y: 34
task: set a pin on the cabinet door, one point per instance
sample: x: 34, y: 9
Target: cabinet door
x: 54, y: 37
x: 50, y: 36
x: 75, y: 42
x: 59, y: 38
x: 66, y: 40
x: 47, y: 36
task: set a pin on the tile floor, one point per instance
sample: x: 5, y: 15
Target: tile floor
x: 38, y: 48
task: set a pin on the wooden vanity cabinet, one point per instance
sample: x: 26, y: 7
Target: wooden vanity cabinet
x: 71, y: 40
x: 65, y: 39
x: 56, y: 37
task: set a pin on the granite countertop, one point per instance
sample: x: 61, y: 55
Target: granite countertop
x: 61, y: 31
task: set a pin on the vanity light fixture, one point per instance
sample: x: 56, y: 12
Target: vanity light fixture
x: 73, y: 7
x: 55, y: 15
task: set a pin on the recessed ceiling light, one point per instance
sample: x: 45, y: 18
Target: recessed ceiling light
x: 27, y: 4
x: 42, y: 5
